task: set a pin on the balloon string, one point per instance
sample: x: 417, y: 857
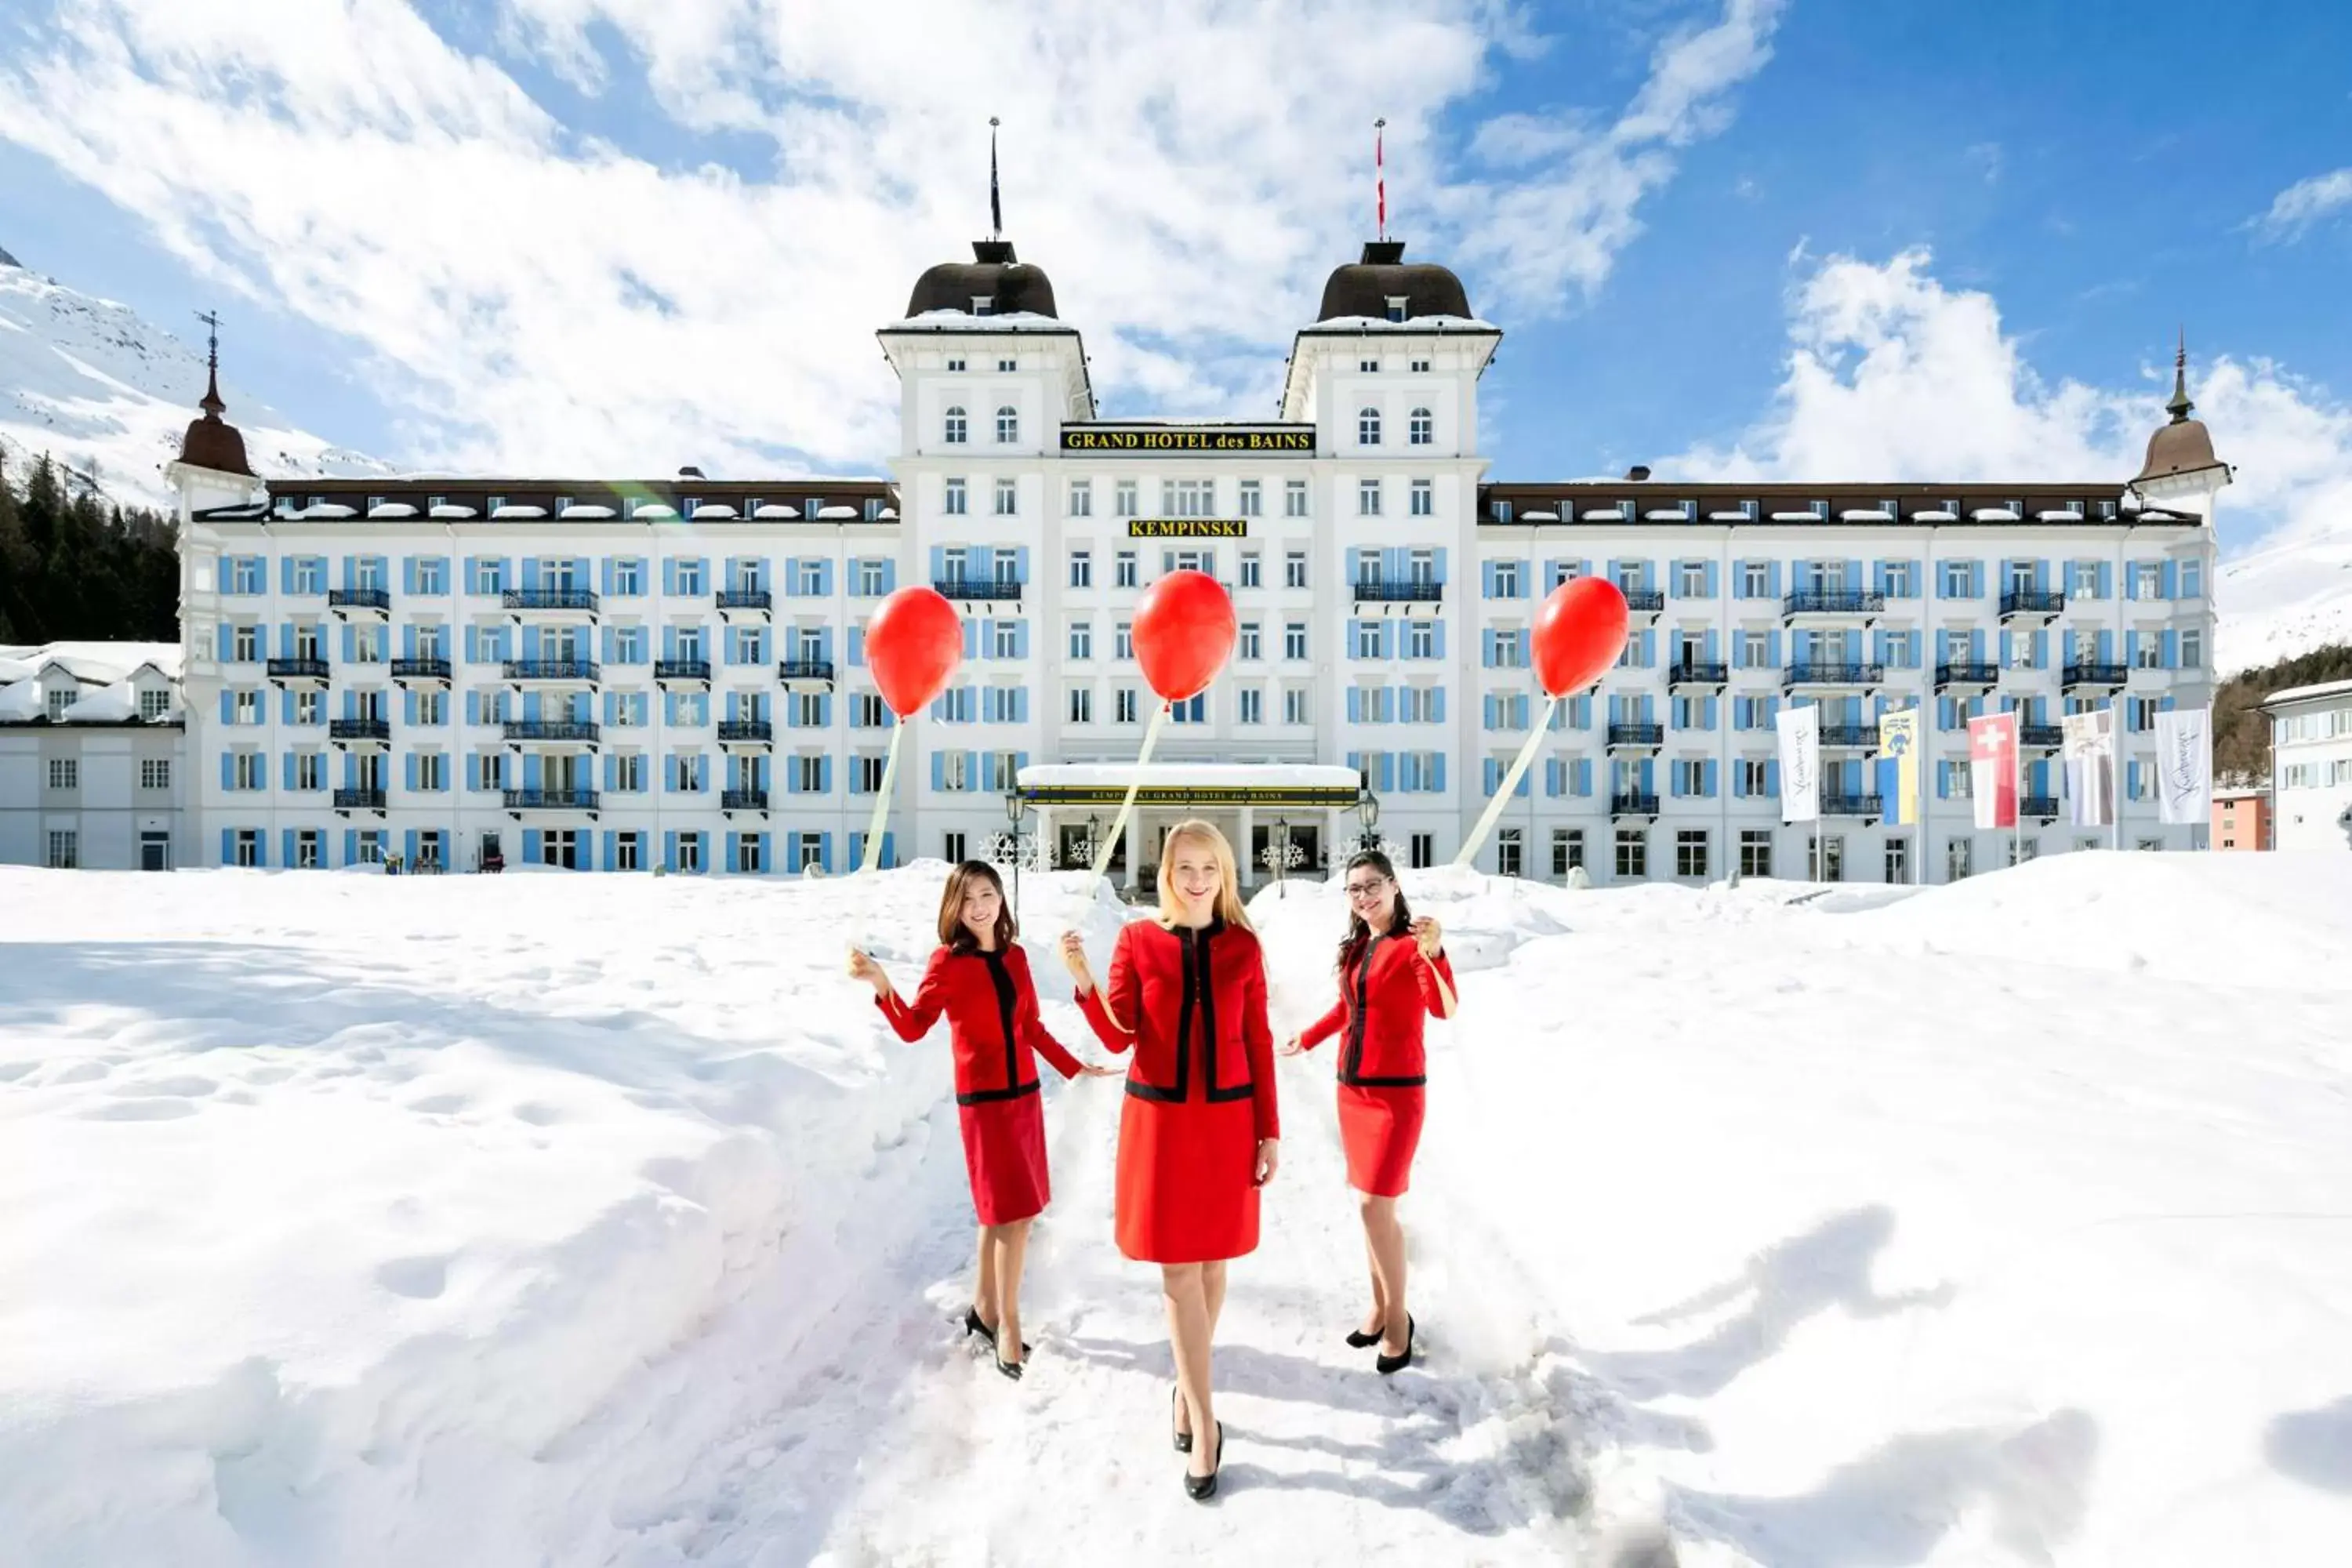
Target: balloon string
x: 1127, y: 806
x: 882, y: 801
x: 1510, y: 782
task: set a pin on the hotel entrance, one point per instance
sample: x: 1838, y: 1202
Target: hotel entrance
x: 1260, y: 807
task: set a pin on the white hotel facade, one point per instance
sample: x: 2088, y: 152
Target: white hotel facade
x: 615, y: 674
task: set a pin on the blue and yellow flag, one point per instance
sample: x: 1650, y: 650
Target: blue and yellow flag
x: 1898, y: 765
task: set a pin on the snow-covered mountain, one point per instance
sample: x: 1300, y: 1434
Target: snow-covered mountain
x: 108, y: 395
x: 2289, y: 595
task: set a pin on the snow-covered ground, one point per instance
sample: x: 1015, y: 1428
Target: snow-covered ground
x: 593, y: 1219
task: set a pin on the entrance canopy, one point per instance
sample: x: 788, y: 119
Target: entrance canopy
x: 1165, y: 784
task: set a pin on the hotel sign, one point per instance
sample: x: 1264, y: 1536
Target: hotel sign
x: 1187, y: 528
x: 1341, y: 797
x: 1244, y: 440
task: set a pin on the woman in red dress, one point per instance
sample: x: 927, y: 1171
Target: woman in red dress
x: 1199, y: 1135
x: 980, y: 979
x: 1392, y: 970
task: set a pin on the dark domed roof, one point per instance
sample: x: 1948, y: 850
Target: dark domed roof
x: 993, y: 274
x: 1365, y: 288
x: 2184, y: 445
x: 211, y: 441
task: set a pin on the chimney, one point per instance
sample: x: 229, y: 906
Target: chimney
x: 689, y: 472
x: 1638, y: 472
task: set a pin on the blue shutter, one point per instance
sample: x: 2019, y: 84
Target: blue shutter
x: 2171, y: 647
x: 531, y: 853
x: 229, y: 768
x: 1387, y: 770
x: 1439, y: 776
x: 669, y: 851
x: 1355, y: 705
x: 1437, y: 705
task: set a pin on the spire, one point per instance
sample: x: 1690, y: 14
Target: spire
x: 211, y: 404
x: 995, y: 200
x: 212, y: 442
x: 2179, y: 404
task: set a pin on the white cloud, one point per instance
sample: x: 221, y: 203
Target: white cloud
x: 1893, y: 376
x: 2304, y: 203
x: 528, y: 296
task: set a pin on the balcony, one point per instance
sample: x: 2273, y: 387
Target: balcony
x: 1866, y: 807
x: 298, y: 671
x: 746, y: 732
x: 2040, y: 737
x: 2043, y: 807
x: 348, y: 801
x: 694, y: 672
x: 977, y: 589
x: 734, y: 800
x: 1637, y: 804
x: 2110, y: 675
x: 805, y: 672
x: 1965, y: 674
x: 1832, y: 604
x: 1849, y: 737
x: 1396, y: 591
x: 550, y: 602
x: 360, y: 731
x: 745, y: 603
x: 2030, y: 605
x: 349, y: 602
x: 552, y: 672
x: 519, y: 801
x: 1829, y: 675
x: 550, y: 732
x: 1644, y: 605
x: 404, y: 670
x: 1636, y: 737
x: 1698, y: 673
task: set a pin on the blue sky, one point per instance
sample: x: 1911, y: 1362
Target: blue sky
x: 1706, y: 226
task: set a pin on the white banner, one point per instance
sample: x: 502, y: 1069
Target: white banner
x: 1800, y: 763
x: 2088, y: 744
x: 2184, y: 765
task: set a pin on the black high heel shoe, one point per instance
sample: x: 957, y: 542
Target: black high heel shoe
x: 1201, y: 1488
x: 1011, y: 1369
x: 1387, y: 1365
x: 1358, y: 1339
x: 1183, y: 1439
x: 972, y: 1325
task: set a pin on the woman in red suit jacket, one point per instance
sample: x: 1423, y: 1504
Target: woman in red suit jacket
x: 1199, y: 1135
x: 980, y: 979
x: 1392, y: 970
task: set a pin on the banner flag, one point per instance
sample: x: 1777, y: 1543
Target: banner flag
x: 2088, y: 745
x: 1992, y: 769
x: 1898, y: 754
x: 1800, y: 763
x: 2184, y: 765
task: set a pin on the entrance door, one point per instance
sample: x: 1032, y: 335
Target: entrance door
x: 154, y: 851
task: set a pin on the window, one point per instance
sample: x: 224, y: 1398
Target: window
x: 1250, y: 500
x: 65, y: 850
x: 1827, y: 856
x: 1690, y: 777
x: 1957, y: 858
x: 1754, y: 651
x: 156, y: 772
x: 689, y: 576
x: 866, y: 772
x: 1898, y: 861
x: 1755, y: 781
x: 1124, y: 502
x: 310, y: 771
x: 1509, y: 644
x: 808, y: 774
x: 1082, y: 705
x: 629, y: 773
x: 1082, y: 569
x: 1690, y: 852
x: 1957, y: 579
x: 1008, y: 497
x: 1420, y: 428
x: 1082, y: 498
x: 1294, y: 498
x: 2146, y: 580
x: 1420, y: 639
x: 1082, y: 639
x: 1508, y: 843
x: 689, y: 851
x: 2139, y: 715
x: 2020, y: 850
x: 1632, y: 852
x: 248, y: 846
x: 1123, y: 569
x: 1424, y: 498
x: 1293, y: 570
x: 1504, y: 579
x: 432, y: 771
x: 1690, y: 579
x: 1567, y: 851
x: 1253, y: 640
x: 2147, y: 652
x: 1252, y: 573
x: 1755, y: 851
x: 1294, y: 706
x: 955, y: 362
x: 1253, y: 705
x: 493, y: 768
x: 1123, y: 705
x: 686, y: 771
x: 1368, y: 498
x: 956, y: 427
x: 1008, y: 426
x: 1899, y: 579
x: 244, y: 644
x: 1368, y: 640
x: 955, y: 505
x: 431, y: 708
x: 1122, y: 638
x: 1007, y: 366
x: 65, y: 772
x: 1368, y: 367
x: 245, y: 770
x: 1189, y: 498
x: 952, y: 848
x: 154, y: 703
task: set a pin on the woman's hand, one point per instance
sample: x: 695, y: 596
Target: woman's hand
x: 1074, y: 959
x: 1429, y: 934
x: 1289, y: 1048
x: 1096, y: 1070
x: 861, y: 967
x: 1269, y: 1156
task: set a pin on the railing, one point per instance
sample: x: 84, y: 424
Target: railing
x: 420, y: 669
x: 976, y: 588
x: 1836, y: 674
x: 1850, y: 806
x: 1637, y: 734
x: 804, y: 670
x: 2042, y: 737
x: 359, y: 800
x: 359, y: 730
x: 2031, y: 602
x: 1837, y: 601
x: 743, y: 800
x: 359, y: 599
x: 682, y: 669
x: 1965, y: 673
x: 2093, y: 674
x: 551, y: 669
x: 746, y: 599
x: 1393, y: 591
x: 2042, y: 805
x: 759, y: 729
x: 549, y: 599
x: 551, y: 799
x: 551, y: 730
x: 1850, y: 736
x: 1633, y: 806
x: 298, y: 669
x: 1698, y: 673
x: 1645, y: 601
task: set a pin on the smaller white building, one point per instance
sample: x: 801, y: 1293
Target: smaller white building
x: 2311, y: 768
x: 93, y: 755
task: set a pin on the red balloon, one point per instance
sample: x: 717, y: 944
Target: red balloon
x: 1579, y: 631
x: 912, y: 645
x: 1184, y: 632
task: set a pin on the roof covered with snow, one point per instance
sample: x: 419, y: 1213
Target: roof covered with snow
x: 2322, y: 691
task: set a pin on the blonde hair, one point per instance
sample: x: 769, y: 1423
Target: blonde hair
x: 1229, y: 890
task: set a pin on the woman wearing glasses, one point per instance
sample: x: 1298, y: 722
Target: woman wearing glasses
x: 1392, y: 972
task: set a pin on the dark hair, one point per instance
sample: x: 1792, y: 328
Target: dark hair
x: 1360, y: 935
x: 956, y: 936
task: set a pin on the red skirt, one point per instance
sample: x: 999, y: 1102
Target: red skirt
x: 1379, y: 1129
x: 1004, y: 1149
x: 1187, y: 1187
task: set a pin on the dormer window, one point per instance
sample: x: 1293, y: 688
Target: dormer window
x: 955, y: 362
x: 1396, y: 307
x: 983, y: 304
x: 1368, y: 367
x: 1007, y: 365
x: 1421, y: 367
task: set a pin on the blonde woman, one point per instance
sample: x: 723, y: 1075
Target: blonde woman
x: 1199, y: 1134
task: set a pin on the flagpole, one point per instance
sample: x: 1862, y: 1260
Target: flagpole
x: 1381, y: 177
x: 2016, y: 787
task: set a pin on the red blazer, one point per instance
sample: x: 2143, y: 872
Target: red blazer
x: 1192, y: 1005
x: 993, y: 1022
x: 1383, y: 994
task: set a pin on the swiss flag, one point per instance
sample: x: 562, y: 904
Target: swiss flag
x: 1992, y: 769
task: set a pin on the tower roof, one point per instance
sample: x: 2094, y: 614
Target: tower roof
x: 996, y: 282
x: 1364, y: 288
x: 212, y: 442
x: 2182, y: 446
